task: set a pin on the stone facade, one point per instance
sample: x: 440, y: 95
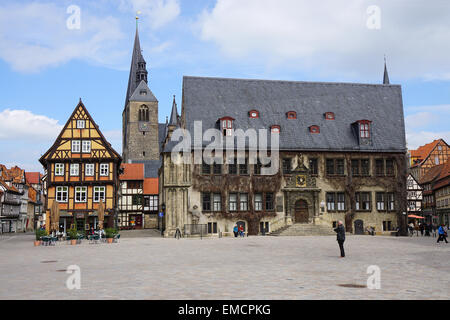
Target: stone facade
x: 141, y: 136
x: 183, y: 184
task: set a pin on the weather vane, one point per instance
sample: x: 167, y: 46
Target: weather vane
x: 137, y: 17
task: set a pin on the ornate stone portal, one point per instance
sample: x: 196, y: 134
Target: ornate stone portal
x: 301, y: 194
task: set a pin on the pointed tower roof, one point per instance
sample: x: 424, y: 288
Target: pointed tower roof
x: 135, y: 69
x: 143, y: 93
x: 174, y: 114
x: 386, y: 75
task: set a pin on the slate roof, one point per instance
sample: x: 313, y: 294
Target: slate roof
x: 136, y: 58
x: 208, y: 99
x: 150, y: 167
x: 149, y: 97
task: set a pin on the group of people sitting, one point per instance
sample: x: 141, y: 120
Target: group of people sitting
x: 238, y: 231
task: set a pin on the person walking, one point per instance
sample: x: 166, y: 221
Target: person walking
x: 442, y: 234
x: 434, y: 229
x: 340, y: 237
x: 235, y: 231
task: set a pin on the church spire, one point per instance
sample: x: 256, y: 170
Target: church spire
x: 138, y: 69
x: 386, y: 75
x: 174, y: 114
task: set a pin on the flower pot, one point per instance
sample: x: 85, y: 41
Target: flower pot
x: 110, y: 240
x: 73, y: 242
x: 37, y: 243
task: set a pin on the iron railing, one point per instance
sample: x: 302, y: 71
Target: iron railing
x: 195, y: 230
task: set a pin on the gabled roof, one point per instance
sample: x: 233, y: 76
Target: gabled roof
x: 9, y: 188
x: 432, y: 174
x: 209, y: 99
x: 53, y: 148
x: 423, y: 152
x: 148, y: 97
x: 132, y: 171
x: 33, y: 177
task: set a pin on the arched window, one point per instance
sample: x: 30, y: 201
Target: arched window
x: 143, y: 113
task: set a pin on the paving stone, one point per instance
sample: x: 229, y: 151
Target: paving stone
x: 252, y: 268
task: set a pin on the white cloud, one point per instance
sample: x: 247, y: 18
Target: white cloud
x: 158, y: 12
x: 35, y: 36
x: 427, y: 123
x: 332, y: 37
x: 115, y: 138
x: 417, y: 139
x: 23, y: 125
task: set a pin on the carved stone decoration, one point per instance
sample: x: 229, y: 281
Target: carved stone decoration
x: 197, y: 215
x: 301, y: 177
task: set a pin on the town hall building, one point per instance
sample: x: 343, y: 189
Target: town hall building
x: 342, y: 154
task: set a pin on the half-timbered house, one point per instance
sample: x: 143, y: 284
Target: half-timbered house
x: 430, y: 155
x: 414, y: 195
x: 82, y: 170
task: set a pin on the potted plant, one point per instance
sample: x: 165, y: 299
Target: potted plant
x: 110, y: 233
x: 73, y: 234
x: 39, y: 234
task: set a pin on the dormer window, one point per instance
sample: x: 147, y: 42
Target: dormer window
x: 329, y: 115
x: 253, y: 114
x: 291, y: 115
x: 226, y: 125
x: 314, y: 129
x: 364, y: 129
x: 275, y: 129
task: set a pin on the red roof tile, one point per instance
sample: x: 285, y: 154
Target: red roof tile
x: 33, y: 177
x: 151, y: 186
x: 132, y: 171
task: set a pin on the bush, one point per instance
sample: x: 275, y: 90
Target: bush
x: 110, y: 232
x: 41, y: 233
x: 72, y: 233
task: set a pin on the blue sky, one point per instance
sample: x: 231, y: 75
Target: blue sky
x: 45, y: 67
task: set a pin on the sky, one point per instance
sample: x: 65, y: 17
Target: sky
x: 52, y: 53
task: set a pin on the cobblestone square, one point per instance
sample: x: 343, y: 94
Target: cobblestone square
x: 227, y: 268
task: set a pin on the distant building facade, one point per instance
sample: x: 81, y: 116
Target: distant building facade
x: 415, y: 196
x: 428, y: 156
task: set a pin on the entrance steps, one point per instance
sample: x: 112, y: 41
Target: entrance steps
x: 300, y: 229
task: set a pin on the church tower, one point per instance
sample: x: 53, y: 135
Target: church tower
x: 140, y: 114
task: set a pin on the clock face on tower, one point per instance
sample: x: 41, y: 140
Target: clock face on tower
x: 300, y: 180
x: 144, y: 126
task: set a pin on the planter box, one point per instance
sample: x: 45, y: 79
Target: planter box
x: 37, y: 243
x: 109, y: 240
x: 73, y: 242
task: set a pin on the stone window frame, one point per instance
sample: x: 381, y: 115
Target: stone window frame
x: 335, y: 167
x: 359, y: 203
x: 336, y: 204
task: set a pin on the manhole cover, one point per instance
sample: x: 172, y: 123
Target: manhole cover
x: 49, y: 261
x: 352, y: 285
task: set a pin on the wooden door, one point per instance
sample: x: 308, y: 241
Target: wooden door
x: 301, y: 212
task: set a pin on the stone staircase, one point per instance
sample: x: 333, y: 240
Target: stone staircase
x: 299, y: 229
